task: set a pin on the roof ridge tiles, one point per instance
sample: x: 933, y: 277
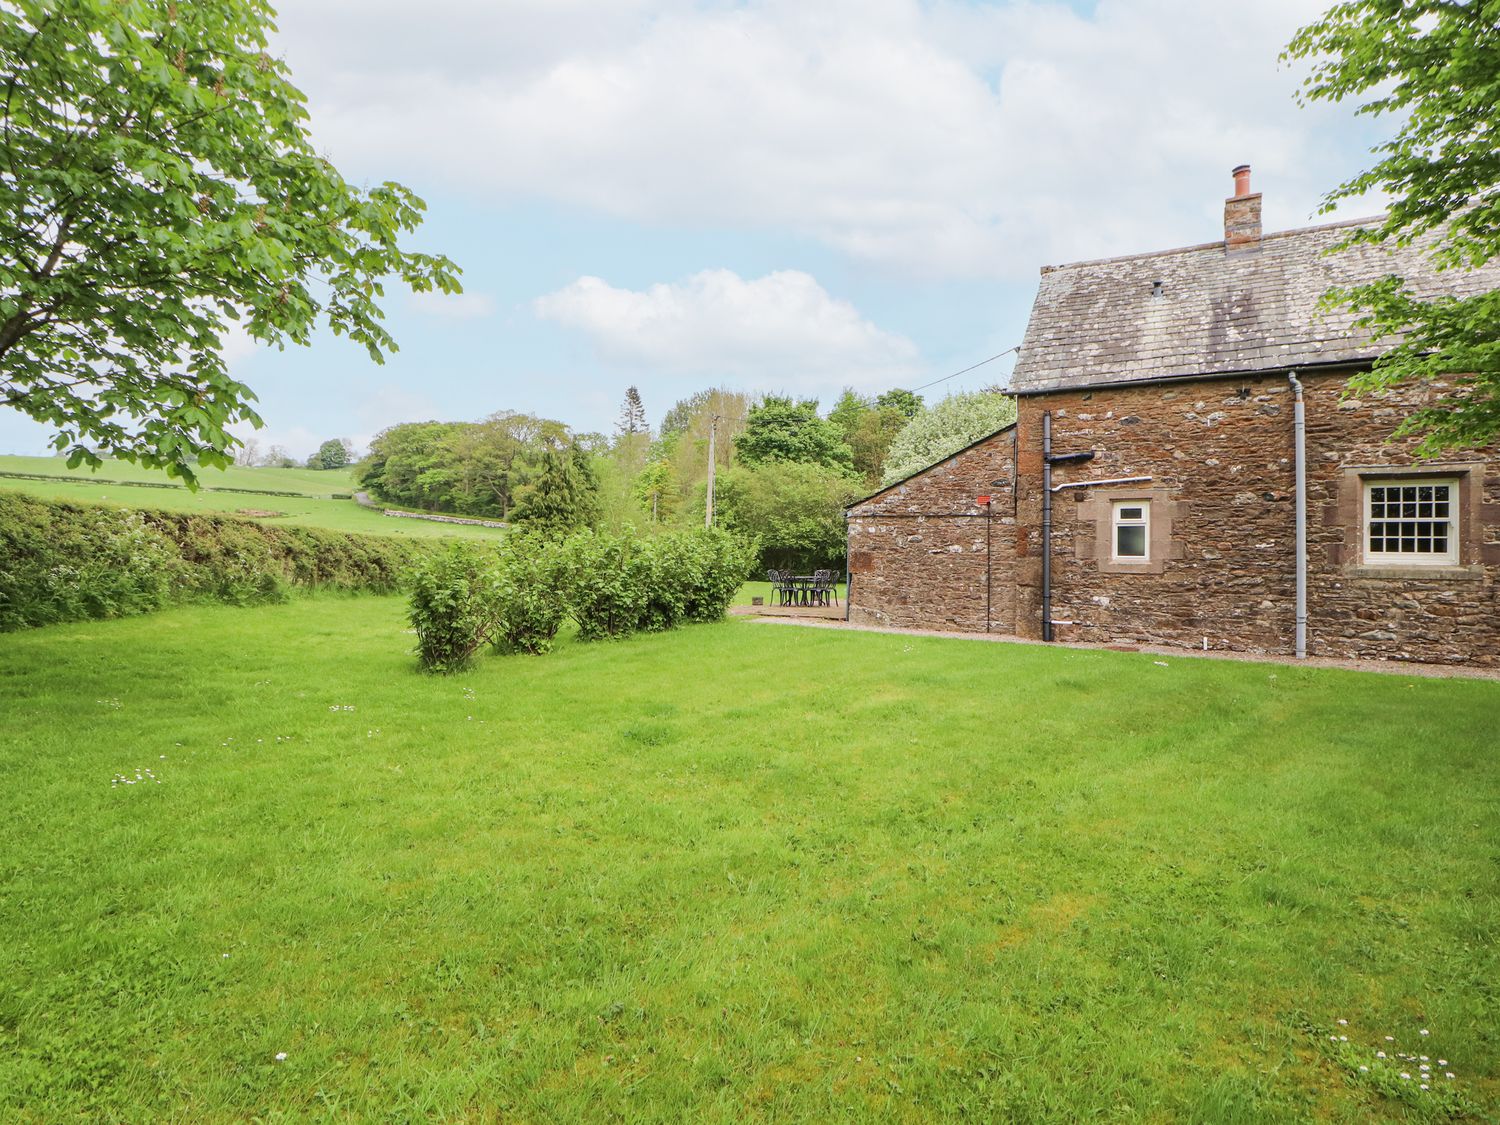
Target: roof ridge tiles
x: 1368, y: 220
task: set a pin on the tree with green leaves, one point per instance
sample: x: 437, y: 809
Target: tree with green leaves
x: 1434, y: 65
x: 160, y: 186
x: 335, y: 453
x: 561, y: 494
x: 868, y: 428
x: 683, y: 441
x: 795, y: 509
x: 656, y: 490
x: 850, y: 408
x: 943, y: 430
x: 632, y: 415
x: 412, y: 464
x: 907, y: 403
x: 632, y: 438
x: 780, y: 429
x: 872, y: 439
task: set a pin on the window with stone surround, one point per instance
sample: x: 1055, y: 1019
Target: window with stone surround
x: 1144, y: 511
x: 1411, y: 521
x: 1130, y: 540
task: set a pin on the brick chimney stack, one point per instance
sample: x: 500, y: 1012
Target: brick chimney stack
x: 1242, y: 214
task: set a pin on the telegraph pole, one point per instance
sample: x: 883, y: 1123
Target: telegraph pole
x: 708, y: 509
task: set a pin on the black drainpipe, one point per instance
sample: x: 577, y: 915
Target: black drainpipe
x: 1046, y: 525
x: 848, y: 574
x: 989, y: 562
x: 1048, y: 460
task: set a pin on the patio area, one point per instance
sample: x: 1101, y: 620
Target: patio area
x: 819, y: 595
x: 826, y: 613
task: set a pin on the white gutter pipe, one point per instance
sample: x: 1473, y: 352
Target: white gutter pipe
x: 1299, y: 437
x: 1096, y: 483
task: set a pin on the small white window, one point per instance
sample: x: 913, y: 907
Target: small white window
x: 1132, y: 531
x: 1411, y: 522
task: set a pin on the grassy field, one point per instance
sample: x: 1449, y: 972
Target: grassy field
x: 739, y: 872
x: 312, y: 508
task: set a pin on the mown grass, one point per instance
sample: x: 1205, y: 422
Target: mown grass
x: 313, y: 508
x: 736, y: 872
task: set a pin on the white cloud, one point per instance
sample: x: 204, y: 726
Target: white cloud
x: 384, y: 406
x: 781, y: 331
x: 236, y: 344
x: 453, y: 306
x: 936, y: 138
x: 390, y: 405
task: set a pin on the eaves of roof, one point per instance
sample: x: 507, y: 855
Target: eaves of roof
x: 1356, y: 364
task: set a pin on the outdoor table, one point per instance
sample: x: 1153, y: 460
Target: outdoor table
x: 800, y: 589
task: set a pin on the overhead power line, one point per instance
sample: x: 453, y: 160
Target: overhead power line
x: 966, y: 370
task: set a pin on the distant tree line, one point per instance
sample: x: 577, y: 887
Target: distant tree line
x: 509, y: 465
x: 784, y: 471
x: 335, y: 453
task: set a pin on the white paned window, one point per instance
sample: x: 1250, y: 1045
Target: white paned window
x: 1131, y: 531
x: 1411, y: 521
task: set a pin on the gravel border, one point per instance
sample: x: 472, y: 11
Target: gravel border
x: 1385, y: 667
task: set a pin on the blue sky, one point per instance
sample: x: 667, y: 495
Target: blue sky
x: 766, y: 194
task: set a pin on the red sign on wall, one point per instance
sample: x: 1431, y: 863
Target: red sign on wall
x: 982, y: 500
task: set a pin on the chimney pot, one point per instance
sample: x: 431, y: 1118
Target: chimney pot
x: 1241, y: 176
x: 1242, y: 214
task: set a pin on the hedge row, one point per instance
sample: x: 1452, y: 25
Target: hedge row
x: 516, y: 596
x: 75, y: 478
x: 71, y: 562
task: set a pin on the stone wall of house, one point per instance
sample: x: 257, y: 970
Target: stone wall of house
x: 927, y: 554
x: 1219, y: 453
x: 1219, y: 457
x: 1435, y: 614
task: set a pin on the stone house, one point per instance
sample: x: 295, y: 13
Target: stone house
x: 1149, y: 491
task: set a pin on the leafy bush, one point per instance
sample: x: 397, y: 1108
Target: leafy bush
x: 795, y: 510
x: 957, y: 421
x: 693, y: 576
x: 618, y: 585
x: 611, y: 585
x: 524, y: 595
x: 606, y: 584
x: 449, y: 608
x: 70, y: 562
x: 727, y: 560
x: 79, y: 563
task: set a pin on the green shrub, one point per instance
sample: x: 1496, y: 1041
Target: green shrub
x: 659, y: 568
x: 525, y: 595
x: 61, y: 563
x: 70, y: 562
x: 605, y: 584
x: 618, y: 585
x: 724, y: 562
x: 233, y: 555
x: 449, y: 608
x: 517, y: 596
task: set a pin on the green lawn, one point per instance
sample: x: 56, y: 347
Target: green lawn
x: 742, y: 871
x: 313, y: 508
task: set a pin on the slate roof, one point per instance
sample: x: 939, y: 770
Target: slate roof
x: 1099, y: 322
